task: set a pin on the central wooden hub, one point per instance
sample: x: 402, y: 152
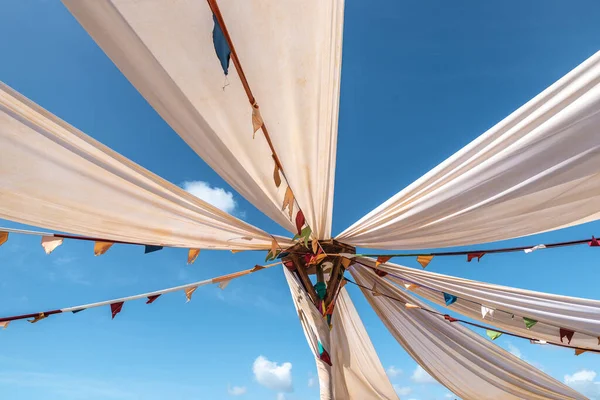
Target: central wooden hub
x: 299, y: 261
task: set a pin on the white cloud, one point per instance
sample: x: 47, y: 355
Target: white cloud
x: 236, y: 390
x: 421, y: 376
x: 273, y: 376
x: 512, y: 349
x: 402, y: 391
x: 448, y: 395
x: 393, y: 371
x: 218, y: 197
x: 584, y: 381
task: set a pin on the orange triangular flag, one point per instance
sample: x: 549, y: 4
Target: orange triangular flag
x: 4, y: 324
x: 346, y: 262
x: 288, y: 201
x: 317, y: 259
x: 315, y: 246
x: 257, y: 121
x: 579, y: 351
x: 188, y: 293
x: 37, y: 318
x: 410, y: 305
x: 49, y: 243
x: 276, y: 176
x: 257, y: 268
x: 3, y: 237
x: 411, y: 286
x: 101, y: 247
x: 424, y: 260
x: 382, y: 260
x: 192, y: 255
x: 236, y: 251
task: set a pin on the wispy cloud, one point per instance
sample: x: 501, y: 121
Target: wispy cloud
x: 584, y: 381
x: 402, y: 390
x: 421, y: 376
x: 393, y: 371
x: 236, y: 390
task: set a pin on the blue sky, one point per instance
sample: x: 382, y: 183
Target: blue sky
x: 419, y: 81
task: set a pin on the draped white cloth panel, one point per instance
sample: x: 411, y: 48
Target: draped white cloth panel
x: 535, y: 171
x: 470, y: 366
x: 551, y: 311
x: 357, y: 373
x: 290, y: 52
x: 54, y: 176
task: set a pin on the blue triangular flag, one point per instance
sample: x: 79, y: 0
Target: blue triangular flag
x: 221, y: 46
x: 77, y: 311
x: 151, y: 249
x: 450, y: 299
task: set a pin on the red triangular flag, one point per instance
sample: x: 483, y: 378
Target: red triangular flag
x: 300, y: 222
x: 324, y: 356
x: 115, y: 308
x: 152, y: 298
x: 471, y: 256
x: 566, y: 333
x: 594, y: 242
x: 380, y: 273
x: 449, y: 318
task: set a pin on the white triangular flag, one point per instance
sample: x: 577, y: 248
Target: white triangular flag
x: 223, y: 284
x: 487, y: 311
x: 534, y: 248
x: 49, y: 243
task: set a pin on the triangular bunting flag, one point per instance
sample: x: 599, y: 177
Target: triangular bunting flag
x: 116, y: 308
x: 449, y: 318
x: 290, y: 265
x: 49, y: 243
x: 315, y: 245
x: 594, y: 242
x: 221, y: 46
x: 305, y: 235
x: 4, y: 324
x: 317, y: 259
x: 152, y: 298
x: 37, y: 318
x: 3, y: 237
x: 411, y: 286
x: 321, y: 289
x: 493, y: 334
x: 101, y: 247
x: 288, y: 201
x: 449, y: 299
x: 534, y: 248
x: 257, y: 121
x: 579, y: 351
x: 424, y: 260
x: 478, y: 256
x: 410, y: 305
x: 234, y: 251
x: 529, y: 323
x: 273, y: 252
x: 151, y: 248
x: 382, y: 260
x: 300, y: 222
x: 346, y: 262
x: 78, y: 311
x: 324, y: 355
x: 276, y: 176
x: 188, y: 293
x: 486, y: 311
x: 566, y: 333
x: 257, y: 268
x: 192, y: 255
x: 223, y: 284
x: 380, y: 273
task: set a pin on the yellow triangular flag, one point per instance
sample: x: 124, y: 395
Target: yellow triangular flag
x: 317, y: 259
x: 411, y: 286
x: 189, y: 291
x: 192, y: 255
x: 39, y: 317
x: 276, y: 176
x: 315, y: 246
x: 346, y: 262
x: 101, y: 247
x: 288, y: 201
x: 273, y: 252
x: 579, y: 351
x: 49, y: 243
x: 410, y: 305
x: 257, y: 121
x: 223, y: 285
x: 3, y: 237
x: 4, y: 324
x: 424, y: 260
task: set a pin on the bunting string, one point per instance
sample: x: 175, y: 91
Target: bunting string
x: 117, y: 304
x: 476, y: 325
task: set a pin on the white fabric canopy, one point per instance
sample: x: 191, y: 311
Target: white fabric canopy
x: 551, y: 311
x: 470, y: 366
x: 290, y: 52
x: 535, y: 171
x: 357, y: 373
x: 56, y: 177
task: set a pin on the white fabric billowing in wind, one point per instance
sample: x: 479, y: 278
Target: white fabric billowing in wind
x: 535, y: 171
x: 290, y: 52
x: 470, y: 366
x: 357, y: 373
x: 54, y: 176
x: 551, y: 311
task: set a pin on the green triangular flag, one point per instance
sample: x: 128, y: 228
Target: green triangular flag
x: 305, y: 234
x: 529, y: 322
x: 493, y: 334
